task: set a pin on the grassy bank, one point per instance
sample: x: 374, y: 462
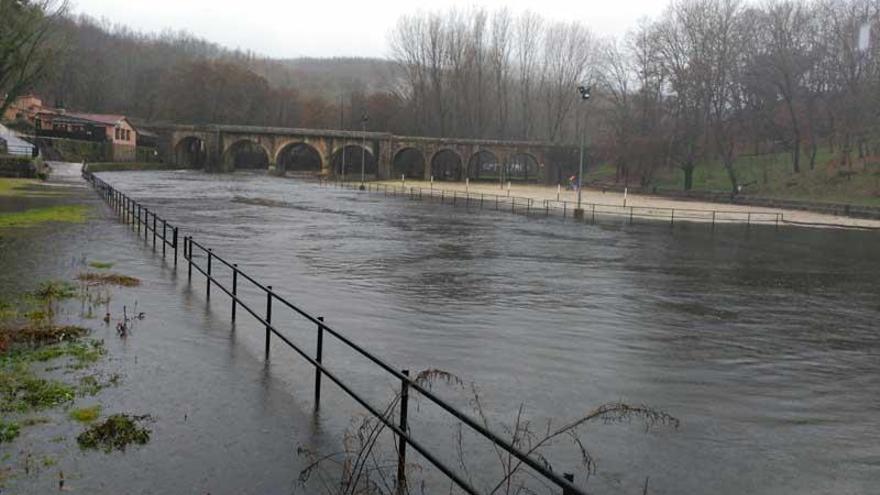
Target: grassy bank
x: 36, y: 216
x: 26, y: 203
x: 130, y: 166
x: 771, y: 176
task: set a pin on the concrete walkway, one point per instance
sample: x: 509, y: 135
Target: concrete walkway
x: 728, y: 213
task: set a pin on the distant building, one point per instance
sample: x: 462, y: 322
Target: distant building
x: 113, y: 129
x: 51, y: 122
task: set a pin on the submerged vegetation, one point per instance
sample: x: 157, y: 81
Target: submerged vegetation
x: 30, y: 337
x: 37, y: 216
x: 366, y: 466
x: 86, y: 414
x: 108, y: 279
x: 101, y: 265
x: 115, y: 433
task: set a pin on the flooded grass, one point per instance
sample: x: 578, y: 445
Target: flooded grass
x: 37, y: 216
x: 15, y: 187
x: 22, y: 391
x: 108, y: 279
x: 39, y: 334
x: 91, y: 385
x: 117, y: 432
x: 101, y: 265
x: 8, y: 431
x: 86, y: 414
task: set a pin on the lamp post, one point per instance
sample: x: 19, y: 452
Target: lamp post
x: 585, y: 97
x: 342, y: 127
x: 364, y: 120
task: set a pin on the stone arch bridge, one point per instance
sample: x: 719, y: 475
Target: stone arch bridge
x: 222, y: 148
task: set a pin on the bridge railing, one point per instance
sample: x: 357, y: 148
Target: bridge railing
x: 140, y: 218
x: 567, y: 209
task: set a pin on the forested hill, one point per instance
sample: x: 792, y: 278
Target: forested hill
x: 176, y: 77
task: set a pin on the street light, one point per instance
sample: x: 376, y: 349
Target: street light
x: 585, y: 97
x: 342, y: 127
x: 364, y: 120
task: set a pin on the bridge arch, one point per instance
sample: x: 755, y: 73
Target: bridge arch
x: 299, y: 157
x: 523, y: 166
x: 484, y: 164
x: 191, y: 152
x: 409, y: 162
x: 246, y: 154
x: 447, y: 165
x: 352, y: 155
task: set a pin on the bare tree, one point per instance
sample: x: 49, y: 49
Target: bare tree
x: 25, y: 28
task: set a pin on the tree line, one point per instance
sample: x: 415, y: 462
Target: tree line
x: 706, y: 80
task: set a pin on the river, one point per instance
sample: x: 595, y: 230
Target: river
x: 764, y: 343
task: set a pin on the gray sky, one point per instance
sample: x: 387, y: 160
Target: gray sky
x: 322, y: 28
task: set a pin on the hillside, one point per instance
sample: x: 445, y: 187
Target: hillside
x: 770, y: 175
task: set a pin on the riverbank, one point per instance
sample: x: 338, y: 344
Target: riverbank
x: 171, y: 363
x: 612, y: 199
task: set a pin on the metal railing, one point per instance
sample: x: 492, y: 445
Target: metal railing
x: 566, y: 209
x: 134, y: 213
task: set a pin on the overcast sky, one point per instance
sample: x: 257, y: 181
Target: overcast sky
x: 326, y: 28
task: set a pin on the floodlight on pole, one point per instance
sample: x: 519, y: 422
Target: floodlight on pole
x: 585, y: 92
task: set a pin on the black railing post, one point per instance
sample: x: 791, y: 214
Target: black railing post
x: 570, y: 478
x: 174, y: 237
x: 208, y: 277
x: 164, y: 236
x: 268, y: 317
x: 188, y: 248
x: 146, y: 224
x: 401, y: 445
x: 318, y: 356
x: 234, y: 289
x: 154, y: 231
x: 139, y: 219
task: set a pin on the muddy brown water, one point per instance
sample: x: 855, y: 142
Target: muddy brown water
x: 764, y: 343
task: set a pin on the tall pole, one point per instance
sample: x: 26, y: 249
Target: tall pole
x: 581, y: 167
x: 585, y: 97
x: 342, y: 126
x: 363, y: 148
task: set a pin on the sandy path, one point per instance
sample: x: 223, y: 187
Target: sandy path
x: 647, y: 205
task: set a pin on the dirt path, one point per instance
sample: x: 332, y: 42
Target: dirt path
x: 686, y: 210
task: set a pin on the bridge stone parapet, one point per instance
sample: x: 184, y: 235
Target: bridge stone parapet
x: 217, y: 148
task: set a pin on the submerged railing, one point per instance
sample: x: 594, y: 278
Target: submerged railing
x: 141, y: 218
x: 566, y: 209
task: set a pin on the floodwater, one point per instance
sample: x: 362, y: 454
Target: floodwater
x: 764, y: 343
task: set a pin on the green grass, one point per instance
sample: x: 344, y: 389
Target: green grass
x: 15, y: 187
x: 86, y: 414
x: 37, y: 216
x: 101, y: 265
x: 771, y: 175
x: 22, y: 391
x: 115, y: 433
x: 8, y: 431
